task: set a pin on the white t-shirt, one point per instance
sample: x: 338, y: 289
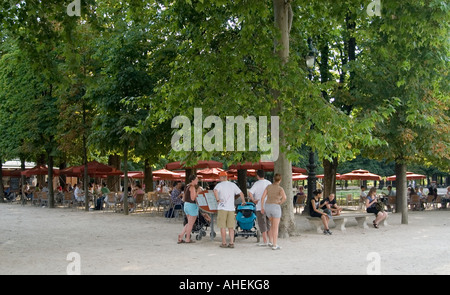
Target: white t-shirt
x: 257, y: 191
x: 226, y: 191
x: 78, y: 194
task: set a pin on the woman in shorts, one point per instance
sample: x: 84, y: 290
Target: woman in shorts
x: 272, y: 208
x: 371, y: 201
x: 190, y: 208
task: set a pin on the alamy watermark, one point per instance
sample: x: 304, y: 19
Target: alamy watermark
x: 374, y: 267
x: 74, y: 8
x: 214, y: 138
x: 374, y: 8
x: 74, y: 266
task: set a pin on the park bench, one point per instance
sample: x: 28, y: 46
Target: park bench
x: 341, y: 220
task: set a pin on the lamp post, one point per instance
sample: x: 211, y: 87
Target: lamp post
x: 312, y: 179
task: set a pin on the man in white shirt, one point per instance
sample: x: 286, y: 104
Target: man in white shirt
x: 255, y: 194
x: 224, y: 193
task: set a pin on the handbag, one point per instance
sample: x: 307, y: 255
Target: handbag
x: 379, y: 205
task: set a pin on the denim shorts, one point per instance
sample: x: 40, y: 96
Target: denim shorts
x: 191, y: 209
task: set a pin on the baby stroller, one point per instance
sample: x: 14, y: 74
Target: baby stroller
x: 200, y: 226
x: 245, y: 222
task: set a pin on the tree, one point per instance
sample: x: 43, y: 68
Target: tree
x: 130, y: 70
x: 405, y: 61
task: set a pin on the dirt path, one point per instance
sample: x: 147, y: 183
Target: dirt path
x: 39, y: 240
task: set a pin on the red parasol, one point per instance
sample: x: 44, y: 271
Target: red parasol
x: 299, y: 176
x: 200, y: 164
x: 250, y: 172
x: 360, y: 175
x: 338, y: 176
x: 12, y: 173
x: 166, y: 174
x: 266, y: 166
x: 409, y: 176
x: 95, y: 169
x: 39, y: 170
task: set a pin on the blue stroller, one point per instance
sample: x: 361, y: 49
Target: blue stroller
x: 245, y: 222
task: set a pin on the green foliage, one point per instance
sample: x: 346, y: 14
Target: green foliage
x: 122, y: 71
x: 405, y: 61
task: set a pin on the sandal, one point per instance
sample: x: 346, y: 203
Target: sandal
x: 230, y: 245
x: 180, y: 240
x: 190, y: 242
x: 375, y: 225
x: 223, y: 246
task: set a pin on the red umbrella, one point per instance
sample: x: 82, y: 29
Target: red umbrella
x: 200, y: 164
x: 299, y: 176
x: 135, y: 174
x: 210, y: 173
x: 360, y: 175
x: 39, y: 170
x: 12, y: 173
x: 266, y: 166
x: 338, y: 176
x: 95, y: 169
x: 250, y: 172
x: 166, y: 174
x: 409, y: 176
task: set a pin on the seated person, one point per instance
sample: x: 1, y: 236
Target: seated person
x: 177, y: 196
x: 330, y: 206
x: 299, y: 194
x: 132, y: 199
x: 314, y: 211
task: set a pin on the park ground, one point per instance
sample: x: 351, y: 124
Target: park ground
x: 37, y: 240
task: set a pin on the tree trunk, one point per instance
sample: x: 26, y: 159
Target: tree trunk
x: 329, y: 180
x: 148, y: 176
x: 51, y: 194
x: 113, y: 182
x: 188, y: 172
x: 242, y: 180
x: 22, y: 178
x: 86, y: 182
x: 2, y: 188
x: 40, y: 160
x: 402, y: 198
x: 62, y: 177
x: 283, y: 21
x: 125, y: 180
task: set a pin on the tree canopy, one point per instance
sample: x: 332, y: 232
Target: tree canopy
x: 110, y: 81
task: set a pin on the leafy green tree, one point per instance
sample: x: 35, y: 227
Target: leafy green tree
x: 405, y: 61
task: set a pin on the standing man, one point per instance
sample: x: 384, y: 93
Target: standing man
x: 224, y: 193
x: 255, y: 194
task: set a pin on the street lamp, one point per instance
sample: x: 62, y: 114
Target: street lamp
x: 312, y: 179
x: 310, y: 61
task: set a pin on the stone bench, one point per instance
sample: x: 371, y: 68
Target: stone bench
x: 341, y: 220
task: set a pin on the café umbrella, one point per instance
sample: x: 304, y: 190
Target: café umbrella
x: 200, y: 164
x: 266, y: 166
x: 409, y: 176
x: 39, y: 170
x: 360, y: 175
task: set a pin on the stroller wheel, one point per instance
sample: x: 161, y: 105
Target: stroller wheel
x: 198, y: 237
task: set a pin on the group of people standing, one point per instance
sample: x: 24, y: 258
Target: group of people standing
x: 262, y: 192
x: 268, y: 198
